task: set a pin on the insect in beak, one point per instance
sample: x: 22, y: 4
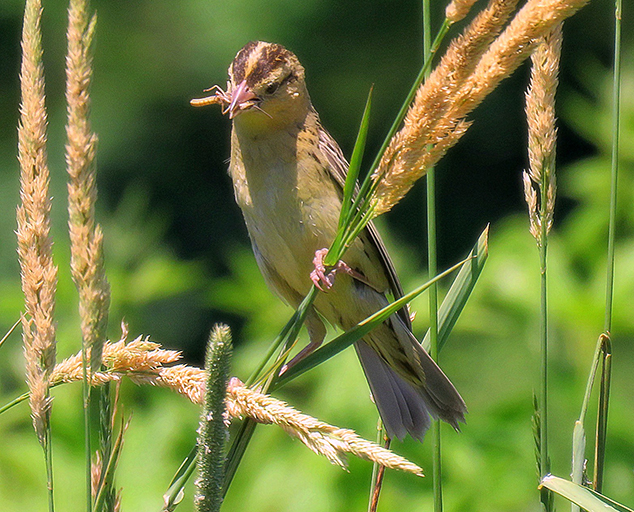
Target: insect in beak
x: 233, y: 101
x: 241, y: 98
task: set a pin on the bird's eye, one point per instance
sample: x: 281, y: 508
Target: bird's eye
x: 272, y: 87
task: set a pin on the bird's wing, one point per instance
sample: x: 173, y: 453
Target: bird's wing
x: 339, y: 170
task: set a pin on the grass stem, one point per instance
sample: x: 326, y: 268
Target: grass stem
x: 616, y: 120
x: 432, y: 269
x: 544, y: 459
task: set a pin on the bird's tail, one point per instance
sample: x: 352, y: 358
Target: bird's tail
x: 407, y: 408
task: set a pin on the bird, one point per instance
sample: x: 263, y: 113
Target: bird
x: 288, y: 175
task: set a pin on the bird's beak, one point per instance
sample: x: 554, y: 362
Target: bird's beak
x: 241, y: 99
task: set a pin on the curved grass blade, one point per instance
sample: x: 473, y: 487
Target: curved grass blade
x: 460, y: 291
x: 355, y: 164
x: 108, y: 478
x: 175, y: 492
x: 602, y: 417
x: 578, y: 456
x: 584, y: 497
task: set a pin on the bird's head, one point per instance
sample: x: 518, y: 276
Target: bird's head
x: 266, y: 88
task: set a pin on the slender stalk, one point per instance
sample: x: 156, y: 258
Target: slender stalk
x: 433, y: 332
x: 602, y: 416
x: 604, y: 395
x: 377, y: 476
x: 539, y: 189
x: 616, y: 119
x: 543, y: 441
x: 85, y: 386
x: 48, y: 454
x: 10, y: 331
x: 22, y: 398
x: 432, y: 269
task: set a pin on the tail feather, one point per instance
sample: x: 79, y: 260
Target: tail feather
x: 407, y: 394
x: 440, y: 394
x: 401, y: 406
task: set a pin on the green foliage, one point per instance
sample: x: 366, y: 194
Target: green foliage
x: 149, y: 62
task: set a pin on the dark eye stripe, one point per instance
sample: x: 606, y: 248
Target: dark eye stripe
x: 274, y: 86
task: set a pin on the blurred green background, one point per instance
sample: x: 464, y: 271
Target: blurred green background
x: 178, y: 258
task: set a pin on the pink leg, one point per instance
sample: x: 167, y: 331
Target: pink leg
x: 324, y: 281
x: 308, y: 349
x: 316, y: 332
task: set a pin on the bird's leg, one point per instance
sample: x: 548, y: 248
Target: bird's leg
x: 323, y: 280
x: 316, y: 333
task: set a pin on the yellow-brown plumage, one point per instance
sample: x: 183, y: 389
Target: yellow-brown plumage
x: 287, y: 174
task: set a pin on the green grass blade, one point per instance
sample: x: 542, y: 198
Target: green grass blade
x: 355, y: 163
x: 592, y: 376
x: 108, y: 478
x: 602, y: 416
x: 273, y: 348
x: 460, y: 291
x: 175, y: 492
x: 578, y: 457
x: 22, y: 398
x: 410, y: 96
x: 614, y: 171
x: 585, y: 498
x: 239, y: 446
x: 358, y: 331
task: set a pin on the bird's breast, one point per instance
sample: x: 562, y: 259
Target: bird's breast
x: 290, y: 207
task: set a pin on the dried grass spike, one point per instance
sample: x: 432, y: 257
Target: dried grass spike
x: 458, y: 9
x: 542, y: 133
x: 87, y: 264
x: 39, y: 274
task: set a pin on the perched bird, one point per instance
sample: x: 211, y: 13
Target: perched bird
x: 288, y: 175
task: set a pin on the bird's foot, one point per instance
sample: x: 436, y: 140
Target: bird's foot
x: 325, y: 280
x: 308, y: 349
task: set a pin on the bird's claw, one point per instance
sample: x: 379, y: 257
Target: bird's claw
x: 325, y: 280
x: 318, y: 276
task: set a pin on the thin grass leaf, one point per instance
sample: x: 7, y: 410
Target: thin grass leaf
x: 175, y: 493
x: 108, y: 477
x: 237, y: 450
x: 460, y: 291
x: 355, y: 163
x: 579, y: 437
x: 578, y: 457
x: 614, y: 171
x: 377, y: 471
x: 585, y: 498
x: 602, y: 417
x: 592, y: 375
x: 272, y: 349
x: 408, y: 100
x: 22, y: 398
x: 349, y: 337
